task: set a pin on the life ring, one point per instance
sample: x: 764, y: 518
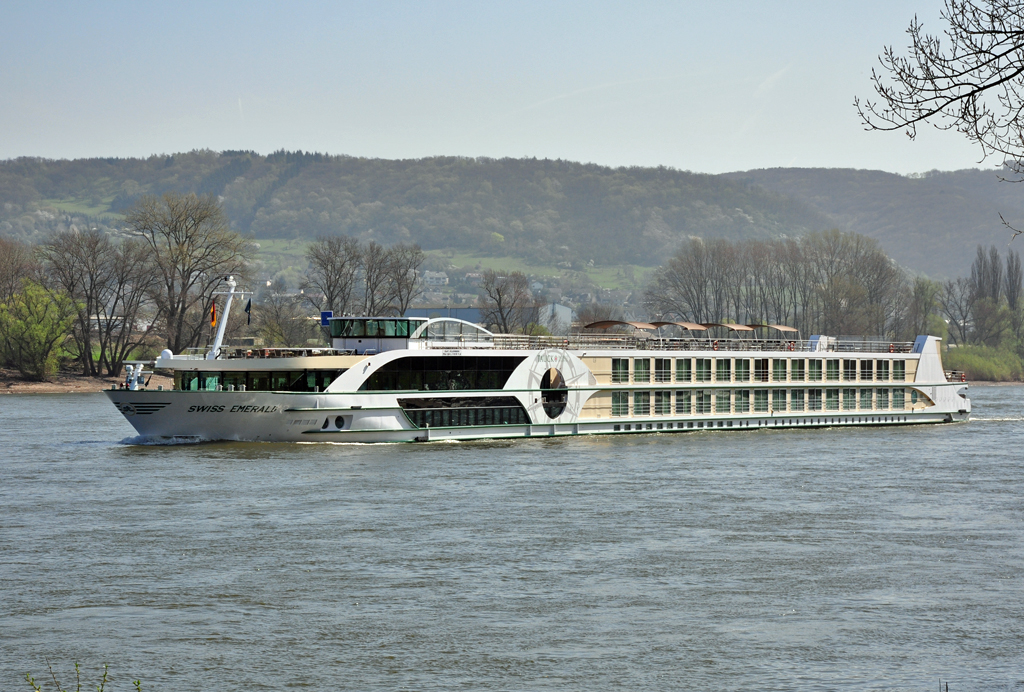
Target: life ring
x: 715, y: 345
x: 790, y: 346
x: 963, y: 377
x: 892, y: 349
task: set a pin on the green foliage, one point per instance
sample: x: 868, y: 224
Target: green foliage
x: 34, y: 324
x: 985, y: 363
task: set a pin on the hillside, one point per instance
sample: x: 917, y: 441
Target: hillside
x: 545, y: 212
x: 930, y: 223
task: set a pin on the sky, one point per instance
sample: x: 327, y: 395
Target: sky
x: 702, y: 86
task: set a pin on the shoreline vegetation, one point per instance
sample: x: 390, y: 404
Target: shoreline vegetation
x: 11, y: 382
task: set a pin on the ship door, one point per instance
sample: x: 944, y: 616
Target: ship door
x: 554, y: 394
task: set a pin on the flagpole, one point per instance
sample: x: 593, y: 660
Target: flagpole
x: 215, y: 351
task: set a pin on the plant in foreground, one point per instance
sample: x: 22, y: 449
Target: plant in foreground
x: 78, y: 680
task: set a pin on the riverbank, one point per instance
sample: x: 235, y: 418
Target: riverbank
x: 11, y: 382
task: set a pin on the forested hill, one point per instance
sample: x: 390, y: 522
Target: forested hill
x: 542, y: 210
x: 930, y: 223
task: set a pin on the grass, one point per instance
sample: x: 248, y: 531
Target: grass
x: 985, y: 364
x: 279, y: 255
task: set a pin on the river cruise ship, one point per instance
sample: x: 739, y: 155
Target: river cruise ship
x: 389, y: 379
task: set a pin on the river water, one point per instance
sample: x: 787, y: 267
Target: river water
x: 762, y: 559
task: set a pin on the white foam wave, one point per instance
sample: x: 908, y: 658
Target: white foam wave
x: 162, y: 441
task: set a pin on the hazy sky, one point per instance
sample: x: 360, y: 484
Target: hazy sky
x: 702, y: 86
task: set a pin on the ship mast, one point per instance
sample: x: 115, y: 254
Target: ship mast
x: 215, y: 350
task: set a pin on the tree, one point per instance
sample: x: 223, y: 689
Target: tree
x: 281, y: 321
x: 80, y: 263
x: 16, y: 265
x: 378, y: 282
x: 192, y: 251
x: 403, y: 263
x: 34, y: 324
x: 333, y: 273
x: 506, y: 301
x: 974, y: 84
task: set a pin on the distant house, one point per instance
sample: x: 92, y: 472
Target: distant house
x: 435, y: 278
x: 555, y: 318
x: 474, y: 278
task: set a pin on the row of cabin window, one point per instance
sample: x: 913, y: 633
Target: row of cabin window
x: 448, y: 417
x: 757, y: 401
x: 258, y: 381
x: 757, y: 370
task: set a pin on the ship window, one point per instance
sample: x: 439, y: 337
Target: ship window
x: 865, y: 398
x: 641, y: 369
x: 662, y: 403
x: 882, y: 398
x: 898, y: 399
x: 814, y: 399
x: 683, y: 402
x: 662, y: 369
x: 742, y: 404
x: 743, y: 370
x: 778, y: 400
x: 641, y: 403
x: 702, y: 402
x: 831, y: 399
x: 814, y: 370
x: 849, y: 370
x: 899, y: 370
x: 849, y: 399
x: 620, y: 403
x: 913, y: 396
x: 796, y: 400
x: 883, y: 371
x: 760, y: 369
x: 779, y: 370
x: 797, y: 370
x: 464, y: 411
x: 832, y: 370
x: 866, y: 371
x: 703, y: 369
x: 435, y: 373
x: 620, y: 370
x: 760, y: 400
x: 723, y: 401
x: 684, y: 370
x: 722, y: 370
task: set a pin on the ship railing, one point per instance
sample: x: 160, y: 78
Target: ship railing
x: 956, y: 376
x: 578, y: 342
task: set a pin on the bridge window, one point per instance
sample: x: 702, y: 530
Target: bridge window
x: 435, y: 373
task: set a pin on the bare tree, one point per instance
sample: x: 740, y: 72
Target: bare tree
x: 506, y: 301
x: 404, y: 261
x: 333, y: 275
x: 957, y: 301
x: 16, y: 264
x: 378, y: 282
x: 973, y: 84
x: 131, y: 282
x: 192, y: 251
x: 281, y: 321
x: 80, y: 263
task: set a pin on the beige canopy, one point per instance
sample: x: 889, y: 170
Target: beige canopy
x: 730, y: 326
x: 608, y: 324
x: 690, y: 326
